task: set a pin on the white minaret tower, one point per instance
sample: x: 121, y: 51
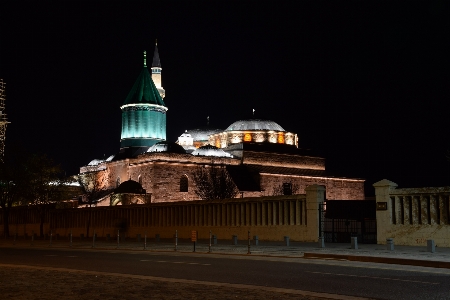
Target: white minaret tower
x: 156, y: 72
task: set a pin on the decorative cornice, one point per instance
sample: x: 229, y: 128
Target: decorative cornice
x: 144, y: 106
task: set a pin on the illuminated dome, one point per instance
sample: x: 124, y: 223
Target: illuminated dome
x: 95, y: 162
x: 209, y: 150
x: 254, y: 124
x: 253, y: 131
x: 167, y: 147
x: 202, y: 134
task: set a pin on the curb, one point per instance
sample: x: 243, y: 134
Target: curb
x: 383, y: 260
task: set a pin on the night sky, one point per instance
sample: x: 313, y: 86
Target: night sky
x: 363, y: 84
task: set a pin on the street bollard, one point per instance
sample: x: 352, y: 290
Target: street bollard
x: 248, y: 247
x: 51, y: 236
x: 145, y: 241
x: 431, y: 247
x: 209, y: 249
x: 234, y: 240
x: 118, y: 237
x: 214, y: 239
x: 286, y: 241
x: 256, y: 240
x: 71, y: 239
x: 354, y: 242
x: 390, y: 244
x: 176, y: 240
x: 321, y: 242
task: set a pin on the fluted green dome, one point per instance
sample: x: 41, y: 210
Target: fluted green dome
x: 144, y: 91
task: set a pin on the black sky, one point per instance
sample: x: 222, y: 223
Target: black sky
x: 364, y: 84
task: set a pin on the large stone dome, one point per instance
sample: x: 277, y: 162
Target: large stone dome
x: 167, y: 147
x: 254, y: 124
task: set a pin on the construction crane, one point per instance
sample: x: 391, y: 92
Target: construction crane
x: 3, y: 119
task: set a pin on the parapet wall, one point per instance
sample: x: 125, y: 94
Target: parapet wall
x: 412, y: 216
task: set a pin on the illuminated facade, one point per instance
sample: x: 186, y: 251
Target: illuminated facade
x: 254, y: 130
x: 260, y: 156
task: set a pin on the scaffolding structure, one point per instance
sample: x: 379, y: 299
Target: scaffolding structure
x: 3, y: 119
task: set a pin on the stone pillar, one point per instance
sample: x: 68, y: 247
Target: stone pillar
x: 263, y: 213
x: 443, y: 209
x: 274, y: 214
x: 406, y: 205
x: 384, y: 217
x: 398, y: 209
x: 424, y: 210
x: 315, y: 194
x: 433, y: 209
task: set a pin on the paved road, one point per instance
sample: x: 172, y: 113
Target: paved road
x: 335, y: 277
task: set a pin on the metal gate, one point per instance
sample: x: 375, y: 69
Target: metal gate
x: 342, y: 219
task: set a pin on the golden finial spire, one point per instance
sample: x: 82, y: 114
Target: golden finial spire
x: 145, y: 58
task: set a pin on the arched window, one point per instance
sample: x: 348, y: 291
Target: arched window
x: 140, y: 179
x: 184, y: 183
x: 117, y: 182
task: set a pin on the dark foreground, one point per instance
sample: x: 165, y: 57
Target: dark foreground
x: 27, y: 284
x: 67, y: 273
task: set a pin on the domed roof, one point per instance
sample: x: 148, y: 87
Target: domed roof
x: 129, y: 186
x: 254, y: 124
x: 202, y: 134
x: 210, y: 150
x: 165, y: 146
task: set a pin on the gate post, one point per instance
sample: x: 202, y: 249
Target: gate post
x: 315, y: 195
x: 384, y: 208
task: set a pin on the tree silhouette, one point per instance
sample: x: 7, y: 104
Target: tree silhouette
x: 214, y: 182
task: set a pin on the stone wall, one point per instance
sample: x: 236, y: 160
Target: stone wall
x: 283, y: 160
x: 271, y: 218
x: 412, y: 216
x: 337, y: 188
x: 160, y: 174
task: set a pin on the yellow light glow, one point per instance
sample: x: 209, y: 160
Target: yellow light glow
x: 247, y: 137
x: 280, y: 138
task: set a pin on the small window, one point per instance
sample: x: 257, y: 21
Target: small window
x: 287, y: 188
x: 140, y: 179
x: 184, y: 183
x: 117, y: 182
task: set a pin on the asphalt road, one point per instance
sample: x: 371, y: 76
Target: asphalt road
x: 335, y: 277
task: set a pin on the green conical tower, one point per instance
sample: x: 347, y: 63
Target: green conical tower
x: 143, y: 113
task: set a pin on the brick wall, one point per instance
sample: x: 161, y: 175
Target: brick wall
x: 336, y: 188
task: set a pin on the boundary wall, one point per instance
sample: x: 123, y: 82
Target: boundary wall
x: 412, y: 216
x: 270, y: 218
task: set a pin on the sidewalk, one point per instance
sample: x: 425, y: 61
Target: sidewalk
x: 406, y: 255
